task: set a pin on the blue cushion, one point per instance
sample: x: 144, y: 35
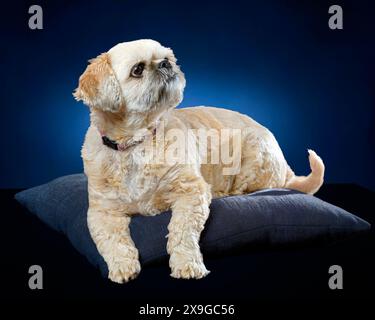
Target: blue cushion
x: 267, y: 217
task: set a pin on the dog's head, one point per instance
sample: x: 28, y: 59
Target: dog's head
x: 136, y: 76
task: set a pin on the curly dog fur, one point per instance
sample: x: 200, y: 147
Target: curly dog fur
x: 130, y: 92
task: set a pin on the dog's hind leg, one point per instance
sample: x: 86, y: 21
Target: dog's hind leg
x: 262, y: 164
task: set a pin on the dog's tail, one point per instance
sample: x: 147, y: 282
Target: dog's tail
x: 313, y: 181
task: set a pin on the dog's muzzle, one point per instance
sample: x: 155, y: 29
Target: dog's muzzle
x: 165, y: 64
x: 165, y: 71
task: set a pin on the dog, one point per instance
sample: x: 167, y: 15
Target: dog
x: 132, y: 90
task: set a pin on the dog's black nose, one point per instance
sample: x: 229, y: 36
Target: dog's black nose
x: 165, y: 64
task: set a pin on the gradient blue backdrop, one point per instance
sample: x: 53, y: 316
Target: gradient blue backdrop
x: 276, y: 61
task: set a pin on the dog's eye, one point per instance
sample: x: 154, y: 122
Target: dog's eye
x: 137, y: 70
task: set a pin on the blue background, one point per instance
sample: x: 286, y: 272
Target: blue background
x: 276, y: 61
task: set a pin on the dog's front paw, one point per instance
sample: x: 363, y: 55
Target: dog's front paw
x: 124, y: 270
x: 187, y: 267
x: 189, y: 270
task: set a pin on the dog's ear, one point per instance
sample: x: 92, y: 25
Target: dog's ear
x: 98, y: 86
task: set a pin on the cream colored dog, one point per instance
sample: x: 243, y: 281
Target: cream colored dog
x: 131, y: 90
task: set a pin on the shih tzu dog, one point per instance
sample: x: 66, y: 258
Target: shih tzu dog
x: 132, y: 91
